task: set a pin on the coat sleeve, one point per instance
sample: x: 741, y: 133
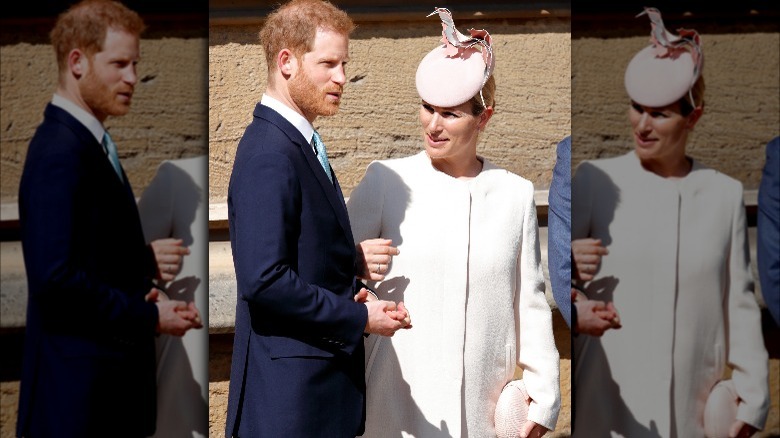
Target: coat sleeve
x: 746, y: 354
x: 266, y: 209
x: 537, y: 354
x: 559, y: 230
x: 768, y: 228
x: 59, y: 282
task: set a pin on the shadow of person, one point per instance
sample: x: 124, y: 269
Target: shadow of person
x: 183, y: 289
x: 592, y: 214
x: 602, y: 289
x: 410, y: 420
x: 173, y: 205
x: 595, y: 375
x: 377, y: 206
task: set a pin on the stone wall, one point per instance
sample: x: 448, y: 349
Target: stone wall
x: 379, y: 114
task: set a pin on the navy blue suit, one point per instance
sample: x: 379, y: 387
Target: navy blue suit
x: 298, y: 360
x: 89, y: 359
x: 768, y: 227
x: 559, y: 230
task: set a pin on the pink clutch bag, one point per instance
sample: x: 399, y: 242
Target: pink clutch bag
x: 720, y: 411
x: 512, y: 409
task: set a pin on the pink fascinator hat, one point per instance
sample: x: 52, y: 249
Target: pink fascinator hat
x: 455, y: 71
x: 663, y: 72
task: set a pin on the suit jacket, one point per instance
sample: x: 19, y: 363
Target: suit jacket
x: 297, y: 367
x: 89, y: 340
x: 559, y: 231
x: 768, y: 228
x: 173, y: 205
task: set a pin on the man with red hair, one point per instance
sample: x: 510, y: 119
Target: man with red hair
x: 93, y: 311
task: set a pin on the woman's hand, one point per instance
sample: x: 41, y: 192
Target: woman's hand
x: 374, y: 257
x: 532, y: 430
x: 168, y: 253
x: 587, y: 255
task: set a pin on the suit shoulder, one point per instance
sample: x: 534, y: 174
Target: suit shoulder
x: 66, y: 137
x: 262, y: 136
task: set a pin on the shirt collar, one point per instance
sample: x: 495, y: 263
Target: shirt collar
x: 292, y: 116
x: 88, y: 120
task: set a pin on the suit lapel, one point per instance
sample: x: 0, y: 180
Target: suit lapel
x: 332, y: 191
x: 95, y: 147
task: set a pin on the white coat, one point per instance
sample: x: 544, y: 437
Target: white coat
x: 469, y: 271
x: 174, y: 205
x: 678, y: 274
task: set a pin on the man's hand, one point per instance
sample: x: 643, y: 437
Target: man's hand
x: 374, y: 257
x: 385, y: 318
x: 174, y: 317
x: 594, y: 317
x: 587, y: 255
x: 364, y: 296
x: 168, y: 253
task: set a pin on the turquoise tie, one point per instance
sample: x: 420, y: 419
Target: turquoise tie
x: 322, y: 155
x: 110, y: 148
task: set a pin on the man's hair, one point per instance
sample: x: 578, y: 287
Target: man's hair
x: 85, y: 24
x: 294, y: 26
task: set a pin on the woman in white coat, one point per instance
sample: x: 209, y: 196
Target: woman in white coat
x: 677, y: 270
x: 469, y: 267
x: 173, y: 210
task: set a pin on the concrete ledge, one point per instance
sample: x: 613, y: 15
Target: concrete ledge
x: 218, y: 214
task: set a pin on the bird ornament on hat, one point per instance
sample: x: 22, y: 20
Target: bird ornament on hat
x: 453, y: 73
x: 665, y: 71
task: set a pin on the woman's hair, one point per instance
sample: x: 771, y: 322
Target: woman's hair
x: 84, y: 26
x: 488, y: 93
x: 294, y: 26
x: 696, y: 94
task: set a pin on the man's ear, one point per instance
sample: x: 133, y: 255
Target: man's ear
x: 78, y: 64
x: 287, y: 62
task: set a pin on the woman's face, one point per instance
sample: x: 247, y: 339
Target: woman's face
x: 451, y: 133
x: 660, y: 134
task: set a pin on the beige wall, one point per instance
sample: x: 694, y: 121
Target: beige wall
x: 379, y: 114
x: 742, y: 101
x: 167, y: 119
